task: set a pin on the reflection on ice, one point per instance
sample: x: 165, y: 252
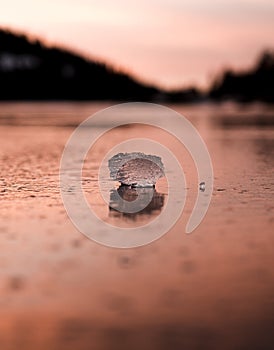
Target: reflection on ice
x: 129, y: 194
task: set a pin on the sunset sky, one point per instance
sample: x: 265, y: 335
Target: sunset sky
x: 171, y: 43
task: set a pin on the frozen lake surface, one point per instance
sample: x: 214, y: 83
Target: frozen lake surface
x: 212, y: 289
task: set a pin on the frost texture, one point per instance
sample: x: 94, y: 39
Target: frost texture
x: 136, y: 169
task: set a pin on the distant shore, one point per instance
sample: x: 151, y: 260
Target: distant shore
x: 31, y: 71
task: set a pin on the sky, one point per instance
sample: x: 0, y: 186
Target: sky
x: 170, y: 43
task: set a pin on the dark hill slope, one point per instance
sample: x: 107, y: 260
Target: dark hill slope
x: 31, y: 71
x: 256, y: 84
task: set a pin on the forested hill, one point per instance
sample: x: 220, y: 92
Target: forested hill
x: 256, y: 84
x: 30, y: 70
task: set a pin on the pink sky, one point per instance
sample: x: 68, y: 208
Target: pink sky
x: 171, y: 43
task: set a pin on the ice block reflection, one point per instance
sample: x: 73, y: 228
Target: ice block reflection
x: 129, y: 194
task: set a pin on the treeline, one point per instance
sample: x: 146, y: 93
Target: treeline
x: 256, y: 84
x: 30, y: 70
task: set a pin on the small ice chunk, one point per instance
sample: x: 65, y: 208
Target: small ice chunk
x: 202, y: 186
x: 136, y: 169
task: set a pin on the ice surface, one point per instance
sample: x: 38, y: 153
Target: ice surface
x: 136, y: 169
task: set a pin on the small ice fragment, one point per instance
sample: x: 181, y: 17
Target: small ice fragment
x: 136, y: 169
x: 202, y: 186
